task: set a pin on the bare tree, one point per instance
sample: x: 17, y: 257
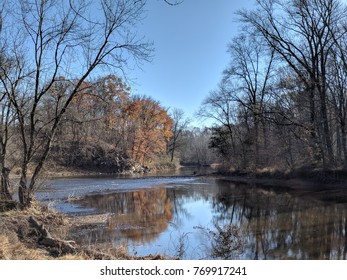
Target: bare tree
x: 62, y: 42
x: 338, y: 86
x: 241, y: 98
x: 6, y: 119
x: 10, y: 68
x: 251, y: 69
x: 302, y: 34
x: 180, y: 124
x: 220, y: 106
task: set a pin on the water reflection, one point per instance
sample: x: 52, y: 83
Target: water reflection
x: 138, y: 215
x: 187, y: 219
x: 279, y: 225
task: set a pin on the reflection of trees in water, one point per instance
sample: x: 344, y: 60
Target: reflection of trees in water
x: 138, y: 215
x: 223, y: 241
x: 272, y: 224
x: 179, y: 210
x: 277, y: 225
x: 142, y: 215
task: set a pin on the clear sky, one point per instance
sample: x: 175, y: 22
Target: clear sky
x: 190, y: 42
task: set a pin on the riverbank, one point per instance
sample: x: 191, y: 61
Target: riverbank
x: 20, y: 239
x: 303, y: 179
x: 52, y: 170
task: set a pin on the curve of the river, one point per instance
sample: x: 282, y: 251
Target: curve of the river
x: 193, y: 217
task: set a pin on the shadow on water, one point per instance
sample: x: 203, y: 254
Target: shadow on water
x: 206, y: 218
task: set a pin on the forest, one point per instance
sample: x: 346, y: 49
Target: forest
x: 281, y: 102
x: 280, y: 105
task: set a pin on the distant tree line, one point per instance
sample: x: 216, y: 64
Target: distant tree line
x: 282, y: 101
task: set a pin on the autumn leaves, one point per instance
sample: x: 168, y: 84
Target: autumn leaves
x: 136, y: 126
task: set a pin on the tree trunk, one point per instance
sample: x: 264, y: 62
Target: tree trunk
x: 313, y: 143
x: 173, y: 149
x: 24, y: 193
x: 344, y: 142
x: 326, y: 130
x: 256, y: 140
x: 5, y: 185
x: 338, y: 146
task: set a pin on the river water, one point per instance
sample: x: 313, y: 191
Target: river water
x: 194, y: 217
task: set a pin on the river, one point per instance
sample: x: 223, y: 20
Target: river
x: 204, y: 217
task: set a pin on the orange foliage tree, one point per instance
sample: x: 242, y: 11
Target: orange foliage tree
x: 149, y: 128
x: 136, y: 128
x: 98, y: 103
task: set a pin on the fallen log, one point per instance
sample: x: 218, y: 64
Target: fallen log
x: 62, y: 247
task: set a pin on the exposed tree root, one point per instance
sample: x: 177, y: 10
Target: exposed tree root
x: 8, y: 205
x: 58, y: 246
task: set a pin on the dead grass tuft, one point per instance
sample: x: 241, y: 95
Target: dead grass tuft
x: 12, y: 249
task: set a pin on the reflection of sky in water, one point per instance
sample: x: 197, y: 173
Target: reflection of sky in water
x: 185, y: 231
x: 178, y: 217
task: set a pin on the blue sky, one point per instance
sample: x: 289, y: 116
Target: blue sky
x: 190, y: 42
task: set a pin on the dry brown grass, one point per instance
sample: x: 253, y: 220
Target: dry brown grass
x: 12, y: 249
x: 19, y: 241
x: 17, y: 250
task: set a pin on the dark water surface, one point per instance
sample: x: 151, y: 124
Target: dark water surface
x: 206, y: 218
